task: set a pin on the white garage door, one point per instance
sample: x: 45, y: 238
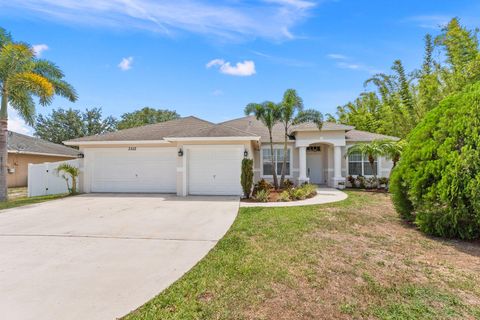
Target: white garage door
x: 214, y: 170
x: 138, y: 170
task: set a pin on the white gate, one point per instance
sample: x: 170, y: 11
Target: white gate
x: 43, y: 178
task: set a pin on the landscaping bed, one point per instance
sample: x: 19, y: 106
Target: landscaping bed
x: 263, y: 191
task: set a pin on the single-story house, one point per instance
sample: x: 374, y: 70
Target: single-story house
x: 23, y: 149
x: 191, y: 156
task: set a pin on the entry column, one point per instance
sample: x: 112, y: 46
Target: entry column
x: 302, y: 157
x: 338, y: 180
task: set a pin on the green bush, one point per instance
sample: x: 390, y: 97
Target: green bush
x: 262, y: 195
x: 437, y: 182
x: 246, y: 178
x: 303, y: 192
x: 284, y: 196
x: 298, y: 194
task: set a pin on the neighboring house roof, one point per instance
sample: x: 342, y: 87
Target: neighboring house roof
x: 358, y: 135
x: 20, y: 143
x: 178, y: 128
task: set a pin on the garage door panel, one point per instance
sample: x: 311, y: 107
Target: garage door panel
x: 142, y: 170
x: 214, y: 170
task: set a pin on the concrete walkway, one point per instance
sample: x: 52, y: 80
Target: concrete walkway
x: 101, y: 256
x: 324, y: 195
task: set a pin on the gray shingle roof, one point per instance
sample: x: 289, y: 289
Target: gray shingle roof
x: 252, y: 125
x: 358, y: 135
x: 194, y: 127
x: 178, y: 128
x: 21, y: 143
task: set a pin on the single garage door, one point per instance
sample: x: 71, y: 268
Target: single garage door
x: 137, y: 170
x: 214, y: 170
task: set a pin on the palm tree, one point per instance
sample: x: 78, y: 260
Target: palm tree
x: 22, y: 77
x: 269, y: 114
x: 71, y: 171
x: 393, y: 150
x: 292, y: 113
x: 371, y: 150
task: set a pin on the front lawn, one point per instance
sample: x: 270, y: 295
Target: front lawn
x: 23, y: 201
x: 352, y: 259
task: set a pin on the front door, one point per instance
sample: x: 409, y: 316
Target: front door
x: 315, y: 166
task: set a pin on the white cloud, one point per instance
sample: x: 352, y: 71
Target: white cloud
x: 39, y: 48
x: 17, y: 124
x: 337, y: 56
x: 126, y: 64
x: 345, y: 62
x: 217, y: 92
x: 242, y: 69
x: 271, y: 19
x: 430, y: 21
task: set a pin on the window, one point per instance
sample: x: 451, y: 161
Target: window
x: 278, y: 156
x: 358, y: 166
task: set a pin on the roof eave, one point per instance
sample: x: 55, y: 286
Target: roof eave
x: 105, y: 142
x: 248, y: 138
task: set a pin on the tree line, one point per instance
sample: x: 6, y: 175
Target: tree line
x: 394, y: 103
x: 66, y: 124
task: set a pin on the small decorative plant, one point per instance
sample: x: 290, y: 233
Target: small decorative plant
x: 71, y: 172
x: 351, y: 180
x: 288, y: 184
x: 262, y: 185
x: 262, y: 195
x: 284, y: 196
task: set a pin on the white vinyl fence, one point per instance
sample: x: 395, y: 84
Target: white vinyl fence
x: 43, y: 178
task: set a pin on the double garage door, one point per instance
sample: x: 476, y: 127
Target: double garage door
x: 209, y: 170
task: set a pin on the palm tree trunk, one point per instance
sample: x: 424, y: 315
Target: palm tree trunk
x: 274, y: 171
x: 284, y: 163
x: 372, y: 164
x: 3, y: 145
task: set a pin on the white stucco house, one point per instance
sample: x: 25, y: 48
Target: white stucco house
x: 191, y: 156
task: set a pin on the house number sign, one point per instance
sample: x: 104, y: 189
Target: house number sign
x: 132, y: 148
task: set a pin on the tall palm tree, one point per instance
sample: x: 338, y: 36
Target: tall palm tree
x: 292, y: 113
x: 371, y: 150
x: 22, y: 77
x: 269, y: 114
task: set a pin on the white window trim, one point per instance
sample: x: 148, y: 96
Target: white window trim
x: 278, y: 174
x: 378, y: 159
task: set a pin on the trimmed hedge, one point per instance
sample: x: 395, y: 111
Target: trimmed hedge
x: 437, y: 182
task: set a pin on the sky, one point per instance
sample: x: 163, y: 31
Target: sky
x: 211, y: 58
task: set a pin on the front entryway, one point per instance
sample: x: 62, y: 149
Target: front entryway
x: 315, y: 165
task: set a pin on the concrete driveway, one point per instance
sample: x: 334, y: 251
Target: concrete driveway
x: 100, y: 256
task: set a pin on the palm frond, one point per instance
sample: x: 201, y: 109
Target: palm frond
x: 64, y: 89
x: 34, y: 84
x: 47, y: 69
x: 310, y: 115
x: 5, y: 37
x: 22, y: 101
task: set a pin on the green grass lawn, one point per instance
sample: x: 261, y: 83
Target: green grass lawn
x: 350, y: 260
x: 23, y: 200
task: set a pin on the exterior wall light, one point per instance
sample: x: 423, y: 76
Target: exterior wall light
x: 245, y: 153
x: 180, y: 152
x: 80, y: 156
